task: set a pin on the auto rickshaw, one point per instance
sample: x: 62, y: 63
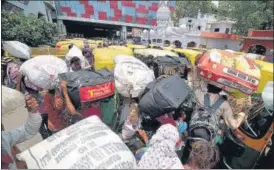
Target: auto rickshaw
x: 248, y: 143
x: 104, y: 57
x: 198, y: 49
x: 169, y: 48
x: 62, y: 46
x: 247, y: 146
x: 123, y: 48
x: 135, y: 46
x: 189, y: 54
x: 266, y: 74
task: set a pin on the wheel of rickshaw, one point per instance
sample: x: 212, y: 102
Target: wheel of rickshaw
x: 117, y: 115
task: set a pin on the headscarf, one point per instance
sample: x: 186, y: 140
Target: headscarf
x: 90, y: 57
x: 161, y: 152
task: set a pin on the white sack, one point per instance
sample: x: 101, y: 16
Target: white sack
x: 76, y: 52
x: 17, y: 49
x: 15, y: 114
x: 88, y: 144
x: 131, y: 76
x: 267, y: 96
x: 42, y: 71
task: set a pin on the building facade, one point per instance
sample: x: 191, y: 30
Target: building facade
x: 134, y: 14
x: 44, y: 9
x: 204, y: 31
x: 260, y: 42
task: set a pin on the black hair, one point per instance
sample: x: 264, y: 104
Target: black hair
x: 70, y: 46
x: 213, y: 89
x: 51, y: 91
x: 74, y: 59
x: 204, y: 155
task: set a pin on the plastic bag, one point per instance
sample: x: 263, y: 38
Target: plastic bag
x: 232, y: 73
x: 42, y: 71
x: 17, y: 49
x: 267, y: 96
x: 88, y: 144
x: 76, y: 52
x: 131, y: 76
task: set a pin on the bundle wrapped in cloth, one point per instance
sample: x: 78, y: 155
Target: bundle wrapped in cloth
x: 131, y: 76
x: 88, y: 144
x: 235, y: 74
x: 42, y: 71
x: 17, y: 49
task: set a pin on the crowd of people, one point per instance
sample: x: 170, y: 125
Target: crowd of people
x: 52, y: 110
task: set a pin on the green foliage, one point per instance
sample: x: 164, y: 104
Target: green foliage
x: 27, y: 29
x: 247, y: 14
x: 191, y: 9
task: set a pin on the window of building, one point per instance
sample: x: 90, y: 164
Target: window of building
x: 216, y: 29
x: 227, y: 30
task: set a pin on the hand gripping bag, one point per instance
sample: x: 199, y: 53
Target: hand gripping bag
x: 15, y: 114
x: 86, y: 86
x: 233, y: 73
x: 17, y: 49
x: 42, y: 71
x: 76, y: 52
x: 87, y: 144
x: 164, y: 96
x: 131, y: 76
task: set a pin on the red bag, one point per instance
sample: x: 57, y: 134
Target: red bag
x: 232, y: 73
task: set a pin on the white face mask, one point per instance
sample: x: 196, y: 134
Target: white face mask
x: 267, y: 96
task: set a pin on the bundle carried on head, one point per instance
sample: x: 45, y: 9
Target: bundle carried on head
x: 42, y: 71
x: 235, y: 74
x: 131, y: 76
x: 17, y: 49
x: 86, y: 86
x: 165, y: 96
x: 76, y: 52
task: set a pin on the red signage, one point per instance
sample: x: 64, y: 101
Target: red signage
x: 92, y: 93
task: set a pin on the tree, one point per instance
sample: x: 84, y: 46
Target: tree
x: 191, y: 9
x: 27, y: 29
x: 247, y: 14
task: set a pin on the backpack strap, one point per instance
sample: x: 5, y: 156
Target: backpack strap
x: 216, y: 105
x: 206, y: 100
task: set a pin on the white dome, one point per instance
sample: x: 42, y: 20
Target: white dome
x: 152, y: 32
x: 163, y: 11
